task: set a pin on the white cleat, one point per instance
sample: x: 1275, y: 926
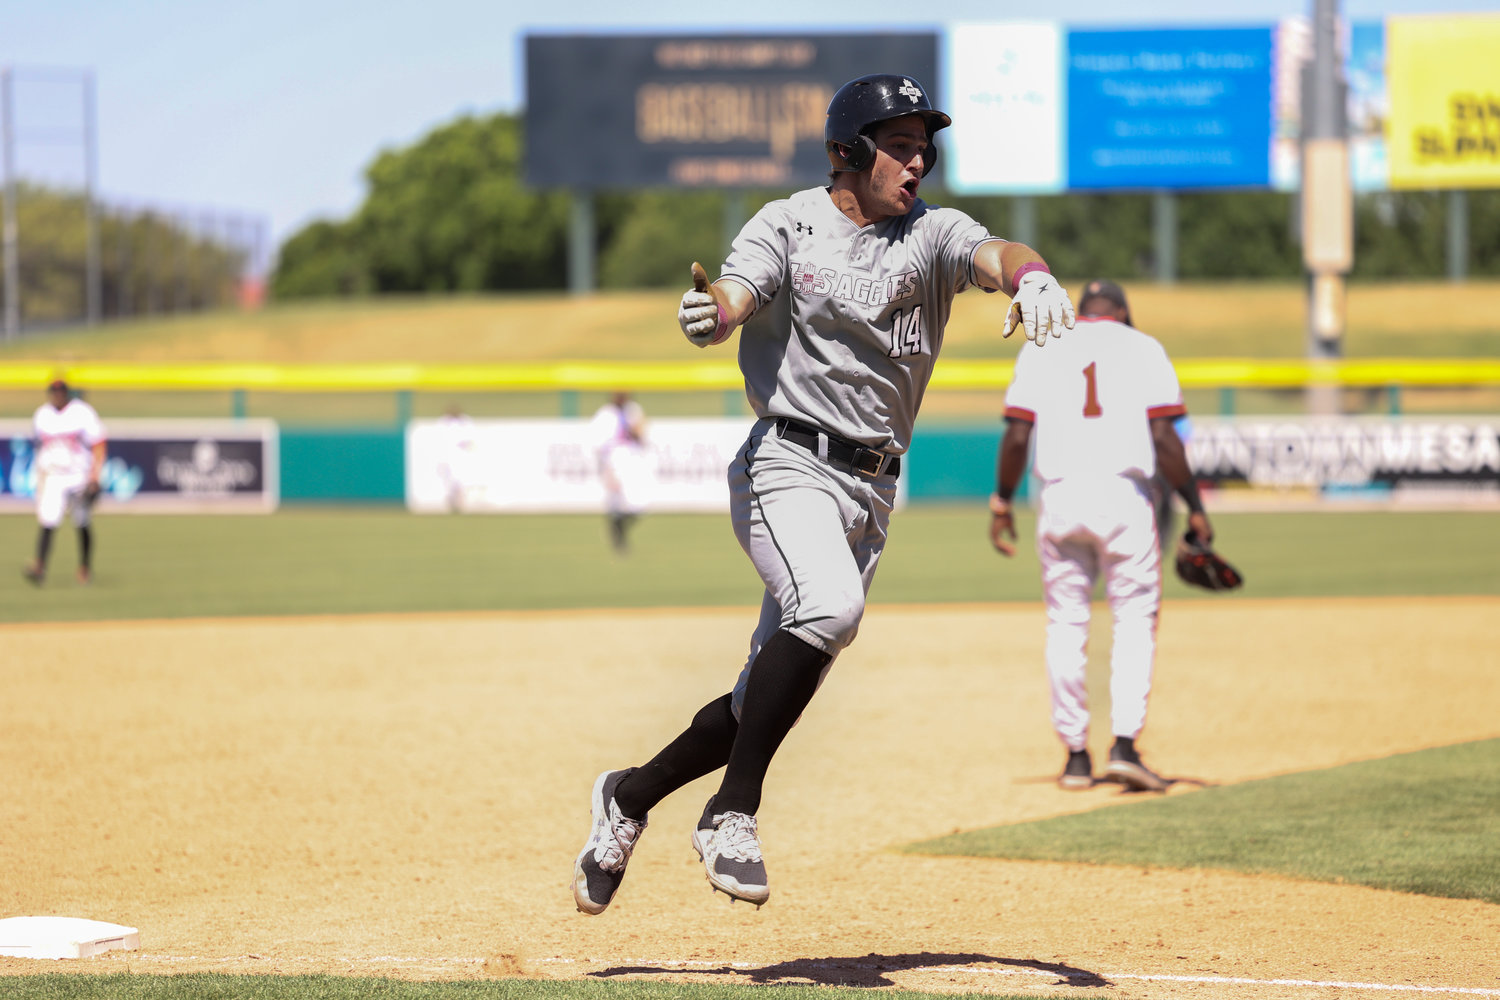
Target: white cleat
x: 728, y: 846
x: 601, y: 864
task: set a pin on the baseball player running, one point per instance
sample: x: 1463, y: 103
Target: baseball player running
x: 1102, y: 405
x: 843, y: 292
x: 69, y: 459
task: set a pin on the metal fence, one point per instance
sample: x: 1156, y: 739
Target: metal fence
x: 73, y: 257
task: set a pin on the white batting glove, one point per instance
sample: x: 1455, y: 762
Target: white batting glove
x: 698, y: 315
x: 1042, y: 306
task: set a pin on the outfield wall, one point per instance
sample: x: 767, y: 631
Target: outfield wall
x: 1242, y: 463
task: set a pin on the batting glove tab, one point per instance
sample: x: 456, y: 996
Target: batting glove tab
x: 698, y: 315
x: 1041, y: 306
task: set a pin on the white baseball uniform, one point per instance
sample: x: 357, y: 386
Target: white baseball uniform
x: 848, y: 322
x: 64, y: 458
x: 1091, y: 397
x: 458, y: 461
x: 617, y: 430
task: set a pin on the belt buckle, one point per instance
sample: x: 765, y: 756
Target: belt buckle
x: 867, y: 462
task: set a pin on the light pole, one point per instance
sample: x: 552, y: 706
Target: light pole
x: 1327, y: 198
x: 8, y: 227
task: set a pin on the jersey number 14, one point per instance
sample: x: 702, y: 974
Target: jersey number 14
x: 906, y: 332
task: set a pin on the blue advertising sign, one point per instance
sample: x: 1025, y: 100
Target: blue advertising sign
x: 162, y: 466
x: 1169, y: 108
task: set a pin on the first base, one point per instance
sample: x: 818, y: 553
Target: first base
x: 63, y: 937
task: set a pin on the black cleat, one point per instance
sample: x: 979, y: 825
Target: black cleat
x: 1126, y: 767
x: 1078, y: 774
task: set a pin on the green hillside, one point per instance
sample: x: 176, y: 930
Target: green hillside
x: 1193, y: 320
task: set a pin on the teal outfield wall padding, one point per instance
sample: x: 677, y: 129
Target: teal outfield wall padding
x: 343, y: 465
x: 956, y: 463
x: 369, y: 466
x: 953, y: 463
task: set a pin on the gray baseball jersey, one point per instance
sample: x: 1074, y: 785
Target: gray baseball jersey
x: 848, y: 321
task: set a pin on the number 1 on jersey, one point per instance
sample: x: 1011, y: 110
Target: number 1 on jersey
x: 1091, y: 407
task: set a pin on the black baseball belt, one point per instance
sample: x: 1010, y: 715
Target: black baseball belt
x: 838, y: 452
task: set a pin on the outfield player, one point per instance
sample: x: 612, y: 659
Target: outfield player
x: 70, y: 449
x: 843, y: 292
x: 458, y: 460
x: 1101, y: 407
x: 619, y: 433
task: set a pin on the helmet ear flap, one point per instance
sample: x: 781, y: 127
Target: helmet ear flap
x: 853, y: 156
x: 929, y: 157
x: 862, y: 153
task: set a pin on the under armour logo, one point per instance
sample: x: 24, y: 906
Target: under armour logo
x: 911, y: 90
x: 804, y: 229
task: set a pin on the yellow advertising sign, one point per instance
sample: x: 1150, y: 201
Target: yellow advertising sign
x: 1443, y: 74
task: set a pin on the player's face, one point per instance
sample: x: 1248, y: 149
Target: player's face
x: 57, y: 397
x: 900, y: 150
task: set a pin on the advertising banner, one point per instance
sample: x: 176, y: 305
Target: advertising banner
x: 162, y: 466
x: 553, y: 465
x: 1169, y: 108
x: 1427, y: 462
x: 528, y: 466
x: 714, y: 111
x: 1444, y: 129
x: 1005, y: 82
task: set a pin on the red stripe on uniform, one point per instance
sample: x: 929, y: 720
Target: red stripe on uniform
x: 1020, y: 413
x: 1169, y: 410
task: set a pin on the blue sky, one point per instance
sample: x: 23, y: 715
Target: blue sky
x: 274, y: 108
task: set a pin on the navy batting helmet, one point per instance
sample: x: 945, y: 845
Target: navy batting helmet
x: 861, y: 104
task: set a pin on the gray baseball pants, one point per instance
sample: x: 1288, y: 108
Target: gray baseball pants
x: 814, y: 533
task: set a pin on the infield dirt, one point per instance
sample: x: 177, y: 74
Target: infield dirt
x: 404, y: 796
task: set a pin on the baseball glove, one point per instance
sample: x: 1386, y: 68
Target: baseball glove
x: 1200, y: 566
x: 91, y: 493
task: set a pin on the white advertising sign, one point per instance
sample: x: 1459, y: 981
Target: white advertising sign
x: 553, y: 465
x: 1429, y: 462
x: 536, y: 466
x: 1005, y: 84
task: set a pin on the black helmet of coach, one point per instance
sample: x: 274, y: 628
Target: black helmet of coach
x: 862, y: 104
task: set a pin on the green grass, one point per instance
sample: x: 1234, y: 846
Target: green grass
x: 1194, y: 319
x: 1420, y: 822
x: 222, y: 987
x: 312, y: 560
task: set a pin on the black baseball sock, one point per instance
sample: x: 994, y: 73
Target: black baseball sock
x: 701, y: 749
x: 618, y: 525
x: 85, y: 548
x: 782, y: 681
x: 43, y: 546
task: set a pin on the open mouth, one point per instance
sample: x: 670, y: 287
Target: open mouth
x: 910, y: 187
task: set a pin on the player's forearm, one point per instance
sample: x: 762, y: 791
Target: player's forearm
x: 999, y: 265
x: 1014, y: 261
x: 1171, y: 459
x: 735, y: 300
x: 97, y: 468
x: 1010, y: 464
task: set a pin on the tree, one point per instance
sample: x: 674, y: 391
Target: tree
x: 322, y: 259
x: 446, y: 214
x: 148, y: 262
